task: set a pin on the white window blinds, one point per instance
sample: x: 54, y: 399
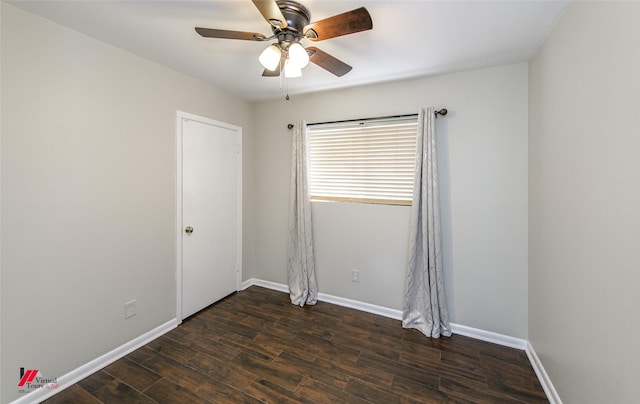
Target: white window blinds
x: 365, y: 161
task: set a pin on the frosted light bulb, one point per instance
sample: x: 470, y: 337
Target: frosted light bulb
x: 291, y: 70
x: 298, y: 55
x: 270, y: 57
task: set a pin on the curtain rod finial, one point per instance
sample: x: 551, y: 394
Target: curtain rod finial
x: 290, y: 126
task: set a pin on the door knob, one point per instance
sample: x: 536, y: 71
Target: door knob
x: 188, y: 229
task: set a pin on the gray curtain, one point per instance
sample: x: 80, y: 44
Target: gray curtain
x: 301, y: 273
x: 425, y: 308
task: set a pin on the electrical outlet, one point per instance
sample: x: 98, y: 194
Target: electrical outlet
x: 355, y: 275
x: 130, y: 309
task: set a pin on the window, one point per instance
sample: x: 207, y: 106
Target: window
x: 365, y: 161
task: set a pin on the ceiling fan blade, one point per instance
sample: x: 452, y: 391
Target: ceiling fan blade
x: 269, y: 73
x: 271, y: 12
x: 223, y: 33
x: 328, y: 62
x: 272, y: 73
x: 342, y: 24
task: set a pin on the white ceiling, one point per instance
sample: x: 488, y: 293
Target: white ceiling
x: 409, y: 38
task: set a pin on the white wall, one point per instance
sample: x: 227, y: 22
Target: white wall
x: 483, y: 168
x: 0, y: 201
x: 88, y: 193
x: 584, y: 196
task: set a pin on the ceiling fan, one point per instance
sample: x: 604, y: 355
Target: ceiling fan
x: 290, y: 24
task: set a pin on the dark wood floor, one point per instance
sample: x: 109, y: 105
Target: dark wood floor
x: 255, y: 346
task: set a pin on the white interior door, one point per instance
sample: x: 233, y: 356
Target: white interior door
x: 211, y: 212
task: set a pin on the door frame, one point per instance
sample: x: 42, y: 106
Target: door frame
x: 180, y: 118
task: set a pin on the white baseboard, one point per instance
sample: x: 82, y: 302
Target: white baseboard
x: 367, y: 307
x: 323, y: 297
x: 489, y: 336
x: 265, y: 284
x: 543, y: 377
x: 89, y: 368
x: 471, y: 332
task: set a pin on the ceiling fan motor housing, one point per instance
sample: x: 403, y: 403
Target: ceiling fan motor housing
x: 296, y: 15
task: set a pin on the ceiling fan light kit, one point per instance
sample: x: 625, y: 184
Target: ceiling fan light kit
x: 290, y: 24
x: 295, y: 59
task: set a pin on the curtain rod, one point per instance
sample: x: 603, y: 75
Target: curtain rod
x: 442, y: 112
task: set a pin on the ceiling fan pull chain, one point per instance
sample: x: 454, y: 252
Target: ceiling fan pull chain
x: 287, y: 83
x: 280, y: 75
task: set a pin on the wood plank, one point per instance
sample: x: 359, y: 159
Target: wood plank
x: 273, y: 372
x: 269, y: 392
x: 177, y: 373
x: 74, y: 394
x: 134, y: 374
x: 225, y: 371
x: 315, y: 392
x: 166, y: 392
x: 117, y: 392
x: 370, y: 392
x: 171, y: 349
x: 95, y: 381
x: 309, y: 369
